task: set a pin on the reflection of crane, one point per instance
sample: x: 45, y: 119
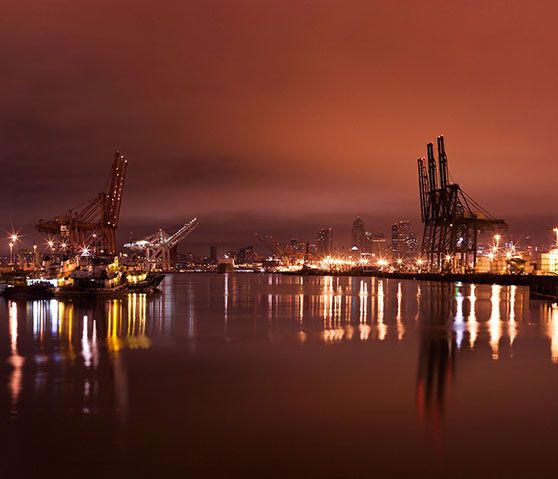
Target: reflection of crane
x: 437, y: 356
x: 160, y: 246
x: 95, y: 223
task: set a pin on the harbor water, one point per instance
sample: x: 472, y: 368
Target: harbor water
x: 253, y: 375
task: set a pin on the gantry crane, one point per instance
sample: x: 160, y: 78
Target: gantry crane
x: 160, y: 246
x: 95, y: 223
x: 276, y: 249
x: 452, y: 219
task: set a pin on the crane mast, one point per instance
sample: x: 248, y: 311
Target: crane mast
x: 452, y: 219
x: 93, y: 225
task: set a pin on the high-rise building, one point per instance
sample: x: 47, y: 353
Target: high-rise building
x: 245, y: 255
x: 404, y: 242
x: 412, y: 244
x: 358, y: 234
x: 213, y: 254
x: 325, y: 241
x: 375, y: 243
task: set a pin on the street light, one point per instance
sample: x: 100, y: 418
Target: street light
x: 13, y: 238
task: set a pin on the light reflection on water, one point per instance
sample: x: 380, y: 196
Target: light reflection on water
x: 279, y: 357
x: 73, y: 341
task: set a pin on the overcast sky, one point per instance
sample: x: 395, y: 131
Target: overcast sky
x: 276, y: 116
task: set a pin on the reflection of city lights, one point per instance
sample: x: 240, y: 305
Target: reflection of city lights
x: 382, y: 327
x: 459, y: 320
x: 512, y: 328
x: 16, y: 378
x: 552, y: 332
x: 400, y: 326
x: 494, y: 323
x: 472, y: 323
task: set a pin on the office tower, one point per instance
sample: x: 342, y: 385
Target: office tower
x: 358, y: 234
x: 325, y: 241
x: 213, y: 254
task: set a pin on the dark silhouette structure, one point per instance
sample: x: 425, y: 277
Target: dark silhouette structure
x: 92, y: 225
x: 452, y: 219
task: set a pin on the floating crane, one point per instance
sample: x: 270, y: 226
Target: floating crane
x: 95, y: 224
x: 160, y: 246
x: 452, y: 219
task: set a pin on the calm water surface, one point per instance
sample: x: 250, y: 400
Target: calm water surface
x: 252, y: 375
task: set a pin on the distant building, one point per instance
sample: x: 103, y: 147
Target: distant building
x: 213, y: 254
x: 358, y: 234
x: 296, y: 246
x: 246, y: 255
x: 325, y: 241
x: 375, y: 243
x: 404, y: 242
x: 412, y: 244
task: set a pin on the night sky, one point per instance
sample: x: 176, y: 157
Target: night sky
x: 276, y: 116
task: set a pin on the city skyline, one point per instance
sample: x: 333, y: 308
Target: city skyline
x: 227, y: 238
x: 326, y: 130
x: 231, y: 227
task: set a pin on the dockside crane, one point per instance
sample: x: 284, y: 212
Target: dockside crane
x: 452, y: 219
x: 159, y: 247
x: 275, y: 248
x: 93, y: 225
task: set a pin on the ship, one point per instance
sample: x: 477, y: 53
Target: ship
x: 90, y: 277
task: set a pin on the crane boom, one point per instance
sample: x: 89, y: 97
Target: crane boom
x: 113, y: 198
x: 159, y: 247
x: 95, y: 223
x: 184, y: 231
